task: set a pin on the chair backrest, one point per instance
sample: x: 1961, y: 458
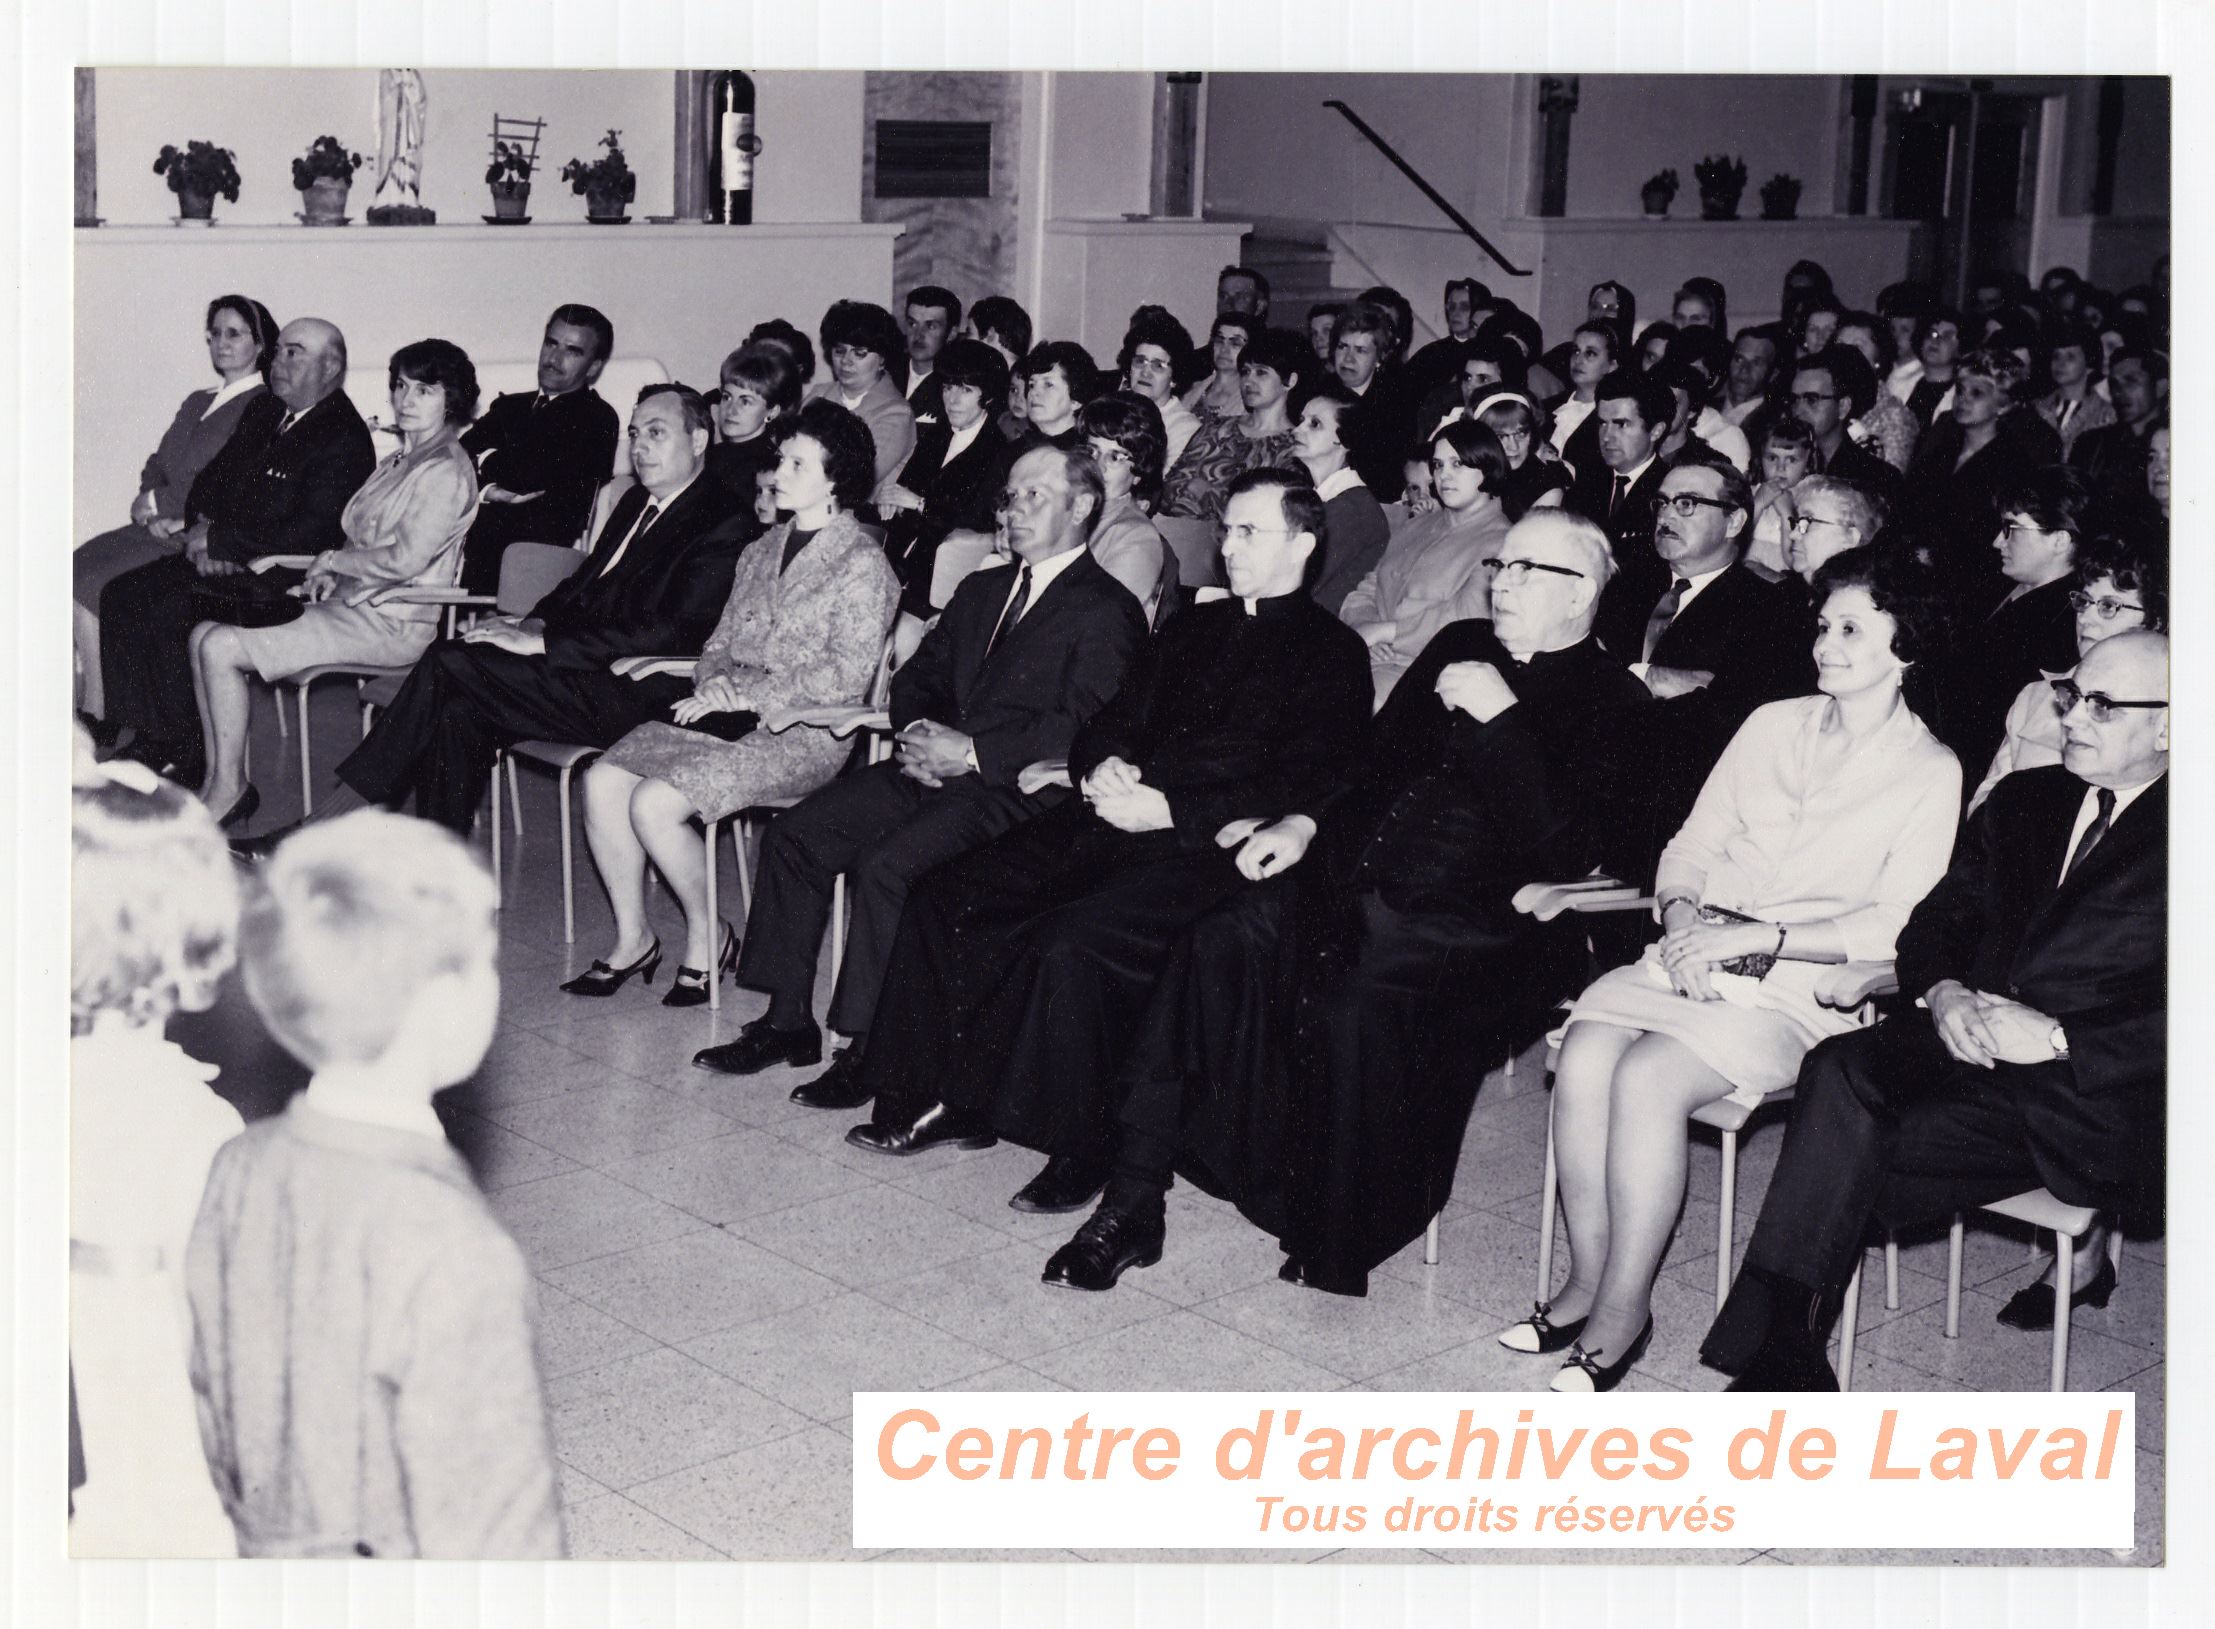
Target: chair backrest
x: 619, y: 384
x: 530, y: 571
x: 1198, y: 550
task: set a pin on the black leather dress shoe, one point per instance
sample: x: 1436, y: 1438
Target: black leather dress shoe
x: 1787, y: 1366
x: 1067, y: 1183
x: 935, y: 1127
x: 2031, y: 1307
x: 838, y: 1087
x: 1107, y: 1246
x: 757, y: 1047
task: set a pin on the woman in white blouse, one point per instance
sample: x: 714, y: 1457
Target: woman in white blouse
x: 1155, y: 350
x: 1823, y: 825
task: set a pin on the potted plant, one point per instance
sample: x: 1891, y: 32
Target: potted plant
x: 196, y: 175
x: 323, y: 177
x: 1658, y: 193
x: 1780, y: 198
x: 510, y: 179
x: 1722, y: 183
x: 607, y: 183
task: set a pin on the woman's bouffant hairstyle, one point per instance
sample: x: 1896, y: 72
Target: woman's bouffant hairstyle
x: 2003, y: 368
x: 849, y: 450
x: 2133, y: 566
x: 772, y: 373
x: 1078, y: 370
x: 1900, y: 586
x: 258, y: 322
x: 442, y: 363
x: 351, y: 918
x: 864, y: 327
x: 776, y: 331
x: 153, y: 920
x: 1351, y: 413
x: 1477, y: 447
x: 1134, y: 424
x: 973, y: 363
x: 1152, y: 325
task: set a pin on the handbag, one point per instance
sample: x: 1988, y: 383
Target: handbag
x: 1754, y: 965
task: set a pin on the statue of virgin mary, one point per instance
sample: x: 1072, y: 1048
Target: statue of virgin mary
x: 401, y: 106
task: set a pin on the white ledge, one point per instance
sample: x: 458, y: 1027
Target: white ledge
x: 1177, y: 226
x: 170, y: 234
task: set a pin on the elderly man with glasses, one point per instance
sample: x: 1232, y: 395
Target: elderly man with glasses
x: 1020, y: 970
x: 1312, y: 1047
x: 2034, y: 1055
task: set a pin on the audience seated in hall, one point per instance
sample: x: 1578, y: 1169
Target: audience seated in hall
x: 1122, y: 435
x: 242, y: 340
x: 860, y: 343
x: 2032, y: 1057
x: 278, y: 487
x: 931, y: 319
x: 952, y: 482
x: 1618, y: 486
x: 1271, y: 367
x: 1019, y: 970
x: 1354, y: 524
x: 540, y: 455
x: 1156, y: 355
x: 1311, y: 1048
x: 761, y: 389
x: 1021, y: 659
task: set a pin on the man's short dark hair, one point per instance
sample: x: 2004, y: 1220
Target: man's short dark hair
x: 945, y: 300
x: 849, y: 449
x: 1296, y: 499
x: 592, y: 322
x: 776, y: 331
x: 862, y: 327
x: 1849, y: 373
x: 1082, y: 475
x: 694, y: 406
x: 1656, y: 404
x: 1736, y: 491
x: 996, y: 314
x: 1134, y: 424
x: 974, y: 363
x: 1261, y: 283
x: 442, y: 363
x: 2156, y: 363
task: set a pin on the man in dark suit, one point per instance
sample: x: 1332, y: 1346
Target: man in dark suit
x: 2036, y: 1056
x: 1021, y: 969
x: 541, y: 454
x: 1830, y: 390
x: 654, y: 585
x: 931, y: 318
x: 2113, y: 457
x: 1018, y: 661
x: 277, y: 487
x: 1630, y: 415
x: 1712, y: 640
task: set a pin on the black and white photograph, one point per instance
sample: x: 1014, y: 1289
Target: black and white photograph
x: 749, y: 734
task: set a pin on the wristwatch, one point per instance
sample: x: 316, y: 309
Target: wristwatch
x: 2059, y: 1041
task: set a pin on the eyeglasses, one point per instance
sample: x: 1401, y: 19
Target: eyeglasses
x: 1800, y: 523
x: 2108, y: 609
x: 1687, y: 504
x: 2098, y: 708
x: 1246, y: 534
x: 1029, y: 498
x: 1812, y: 398
x: 1516, y: 571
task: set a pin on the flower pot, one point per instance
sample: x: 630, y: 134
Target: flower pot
x: 1781, y: 211
x: 511, y: 200
x: 196, y: 206
x: 606, y: 206
x: 1718, y: 206
x: 323, y: 201
x: 1656, y: 202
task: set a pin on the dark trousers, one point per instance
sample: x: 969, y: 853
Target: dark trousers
x: 1886, y: 1128
x: 463, y: 703
x: 1020, y: 974
x: 146, y: 621
x: 884, y: 831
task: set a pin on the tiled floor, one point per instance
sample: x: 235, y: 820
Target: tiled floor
x: 719, y: 1271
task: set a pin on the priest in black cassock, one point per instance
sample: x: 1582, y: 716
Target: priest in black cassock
x: 1314, y: 1045
x: 1021, y: 970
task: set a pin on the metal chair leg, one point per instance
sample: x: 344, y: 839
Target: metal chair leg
x: 1892, y: 1275
x: 2064, y: 1282
x: 1430, y: 1243
x: 1848, y: 1317
x: 715, y: 985
x: 307, y: 770
x: 493, y: 820
x: 1953, y: 1281
x: 568, y: 860
x: 1727, y: 1202
x: 1546, y: 1215
x: 838, y: 926
x: 515, y: 795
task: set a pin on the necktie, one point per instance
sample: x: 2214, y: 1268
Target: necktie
x: 647, y: 518
x: 289, y: 421
x: 1615, y: 493
x: 1665, y: 612
x: 2092, y: 833
x: 1014, y: 613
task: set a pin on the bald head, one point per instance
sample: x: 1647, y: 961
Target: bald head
x: 1547, y: 591
x: 308, y: 364
x: 2131, y: 746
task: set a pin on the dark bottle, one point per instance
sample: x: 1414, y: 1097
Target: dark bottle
x: 732, y: 146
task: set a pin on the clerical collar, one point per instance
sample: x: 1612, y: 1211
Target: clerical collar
x: 352, y: 1092
x: 1272, y: 605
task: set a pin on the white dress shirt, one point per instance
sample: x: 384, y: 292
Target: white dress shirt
x: 2089, y: 811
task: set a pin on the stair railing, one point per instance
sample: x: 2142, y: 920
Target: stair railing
x: 1468, y: 229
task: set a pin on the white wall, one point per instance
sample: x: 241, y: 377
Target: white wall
x: 1102, y: 146
x: 1627, y: 126
x: 684, y: 295
x: 810, y: 125
x: 1095, y: 273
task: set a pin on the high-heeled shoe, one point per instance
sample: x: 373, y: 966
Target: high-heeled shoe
x: 1539, y: 1333
x: 602, y: 980
x: 243, y: 810
x: 1581, y: 1371
x: 688, y: 986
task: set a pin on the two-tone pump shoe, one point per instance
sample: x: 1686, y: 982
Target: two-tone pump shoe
x: 602, y: 980
x: 688, y: 986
